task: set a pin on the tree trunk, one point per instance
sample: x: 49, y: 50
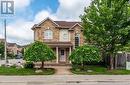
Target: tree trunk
x: 104, y: 58
x: 115, y: 62
x: 111, y: 62
x: 42, y: 66
x: 83, y: 66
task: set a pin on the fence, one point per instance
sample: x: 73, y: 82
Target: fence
x: 121, y: 60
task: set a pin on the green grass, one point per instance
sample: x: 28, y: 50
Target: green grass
x: 98, y: 70
x: 23, y: 71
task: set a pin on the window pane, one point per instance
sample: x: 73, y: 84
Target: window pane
x: 48, y: 34
x: 65, y: 36
x: 77, y: 40
x: 62, y: 52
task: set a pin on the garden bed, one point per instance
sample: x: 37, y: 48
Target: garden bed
x: 98, y: 70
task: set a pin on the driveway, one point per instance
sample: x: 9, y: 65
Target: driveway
x: 12, y: 61
x: 66, y: 80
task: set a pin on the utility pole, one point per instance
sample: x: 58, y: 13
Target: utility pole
x: 7, y: 8
x: 5, y: 53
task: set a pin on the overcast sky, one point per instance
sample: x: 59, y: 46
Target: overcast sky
x: 30, y: 12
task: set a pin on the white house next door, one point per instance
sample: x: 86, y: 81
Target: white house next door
x: 62, y: 55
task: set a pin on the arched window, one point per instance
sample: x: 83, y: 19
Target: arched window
x: 48, y: 34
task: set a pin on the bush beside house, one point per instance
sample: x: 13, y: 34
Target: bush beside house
x: 36, y: 52
x: 85, y: 54
x: 39, y: 52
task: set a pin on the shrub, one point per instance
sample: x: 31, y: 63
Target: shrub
x: 39, y: 52
x: 85, y: 54
x: 29, y: 65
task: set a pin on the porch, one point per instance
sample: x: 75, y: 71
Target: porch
x: 62, y: 51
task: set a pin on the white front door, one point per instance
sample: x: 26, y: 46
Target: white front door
x: 62, y: 55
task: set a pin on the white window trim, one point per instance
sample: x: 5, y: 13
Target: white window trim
x: 61, y: 36
x: 48, y: 36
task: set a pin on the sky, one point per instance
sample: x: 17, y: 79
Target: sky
x: 30, y: 12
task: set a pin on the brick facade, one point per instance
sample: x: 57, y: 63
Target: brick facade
x: 56, y: 27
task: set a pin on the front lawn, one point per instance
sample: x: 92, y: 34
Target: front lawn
x: 97, y: 70
x: 23, y: 71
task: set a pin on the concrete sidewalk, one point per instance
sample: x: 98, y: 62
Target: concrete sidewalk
x: 66, y: 80
x: 61, y: 70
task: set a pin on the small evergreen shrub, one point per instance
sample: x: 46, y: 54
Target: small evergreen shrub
x: 29, y: 65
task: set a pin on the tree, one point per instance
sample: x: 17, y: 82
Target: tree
x: 106, y: 24
x: 11, y: 55
x: 39, y: 52
x: 86, y: 53
x: 1, y: 49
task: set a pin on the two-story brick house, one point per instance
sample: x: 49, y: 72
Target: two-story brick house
x: 61, y: 36
x: 12, y: 48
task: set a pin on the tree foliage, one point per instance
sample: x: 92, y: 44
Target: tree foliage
x: 2, y: 49
x: 86, y: 53
x: 107, y: 25
x: 39, y: 52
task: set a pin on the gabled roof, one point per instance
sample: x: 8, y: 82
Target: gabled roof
x: 11, y: 44
x: 45, y: 20
x: 79, y: 24
x: 66, y: 24
x: 60, y: 24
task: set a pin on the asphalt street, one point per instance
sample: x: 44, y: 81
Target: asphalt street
x: 66, y: 80
x: 60, y: 79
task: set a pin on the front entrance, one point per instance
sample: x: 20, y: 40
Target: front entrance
x: 62, y: 55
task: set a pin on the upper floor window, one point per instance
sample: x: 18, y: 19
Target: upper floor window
x: 64, y: 35
x: 77, y: 39
x: 48, y: 34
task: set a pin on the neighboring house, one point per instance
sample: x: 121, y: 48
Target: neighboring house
x: 20, y: 48
x: 12, y: 47
x: 61, y: 36
x: 2, y: 40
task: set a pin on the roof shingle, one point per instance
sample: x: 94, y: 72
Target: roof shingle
x: 66, y: 24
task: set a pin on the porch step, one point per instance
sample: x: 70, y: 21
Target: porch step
x: 53, y: 64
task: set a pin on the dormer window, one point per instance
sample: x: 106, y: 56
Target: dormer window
x: 48, y: 34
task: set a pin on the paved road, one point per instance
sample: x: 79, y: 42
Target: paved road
x: 65, y: 80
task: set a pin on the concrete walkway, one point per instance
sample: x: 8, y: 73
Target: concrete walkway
x: 61, y: 70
